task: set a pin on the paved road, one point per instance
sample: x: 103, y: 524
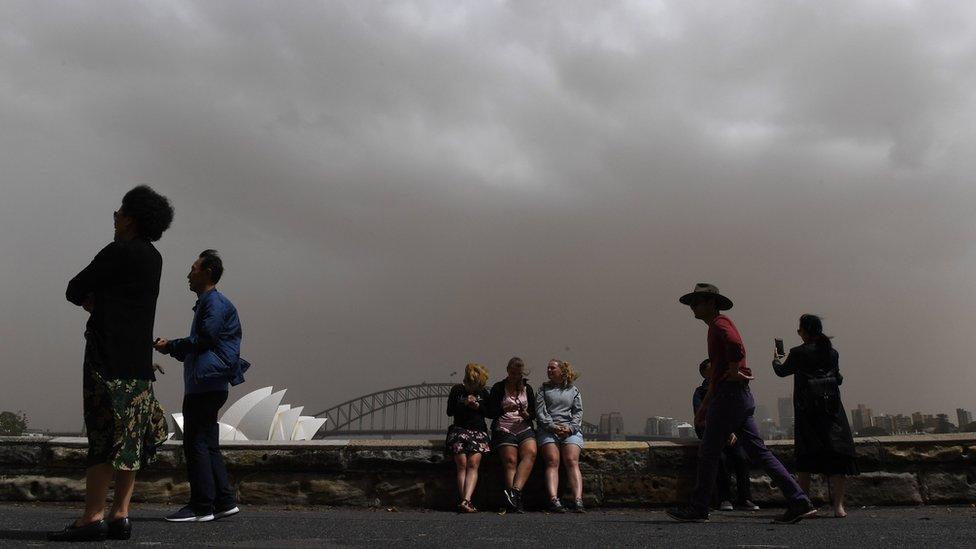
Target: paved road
x: 24, y: 524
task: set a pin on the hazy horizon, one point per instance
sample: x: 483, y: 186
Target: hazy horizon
x: 401, y: 188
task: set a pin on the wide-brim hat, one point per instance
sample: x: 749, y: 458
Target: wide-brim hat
x: 707, y: 290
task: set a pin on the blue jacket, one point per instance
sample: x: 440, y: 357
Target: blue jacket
x: 212, y: 354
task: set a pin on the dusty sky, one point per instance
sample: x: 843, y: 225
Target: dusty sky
x: 401, y: 188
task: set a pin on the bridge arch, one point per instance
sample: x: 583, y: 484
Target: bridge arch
x: 411, y: 409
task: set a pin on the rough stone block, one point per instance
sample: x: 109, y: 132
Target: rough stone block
x: 70, y: 457
x: 405, y: 493
x: 37, y: 488
x: 372, y: 458
x: 786, y: 454
x: 259, y: 458
x: 319, y: 459
x: 672, y: 457
x: 21, y: 455
x: 913, y: 454
x: 868, y: 454
x: 168, y: 459
x: 942, y: 487
x: 269, y: 488
x: 284, y: 459
x: 764, y: 492
x: 161, y: 490
x: 326, y: 491
x: 882, y: 488
x: 612, y: 462
x: 644, y: 490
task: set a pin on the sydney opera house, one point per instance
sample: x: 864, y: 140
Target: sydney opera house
x: 260, y: 415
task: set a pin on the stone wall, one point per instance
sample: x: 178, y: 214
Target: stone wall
x: 414, y: 473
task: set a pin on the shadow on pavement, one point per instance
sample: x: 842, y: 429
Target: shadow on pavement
x: 23, y: 535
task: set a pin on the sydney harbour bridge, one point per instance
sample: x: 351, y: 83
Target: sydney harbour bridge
x: 410, y: 410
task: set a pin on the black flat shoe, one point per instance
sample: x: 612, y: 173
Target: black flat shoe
x: 120, y: 528
x: 93, y: 531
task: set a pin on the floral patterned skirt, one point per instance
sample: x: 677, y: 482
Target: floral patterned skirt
x: 124, y: 421
x: 465, y: 441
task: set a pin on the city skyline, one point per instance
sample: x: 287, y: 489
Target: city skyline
x: 652, y: 423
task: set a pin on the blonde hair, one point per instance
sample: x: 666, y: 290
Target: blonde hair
x: 475, y: 375
x: 569, y: 374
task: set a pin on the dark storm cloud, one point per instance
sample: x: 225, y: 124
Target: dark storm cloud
x: 401, y: 188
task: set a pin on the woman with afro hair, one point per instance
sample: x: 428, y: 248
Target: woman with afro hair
x: 123, y: 420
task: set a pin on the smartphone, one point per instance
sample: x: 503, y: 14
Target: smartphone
x: 779, y: 346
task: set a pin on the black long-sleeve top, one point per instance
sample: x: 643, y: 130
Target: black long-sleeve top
x: 809, y: 363
x: 820, y: 421
x: 497, y: 395
x: 465, y: 416
x: 124, y: 280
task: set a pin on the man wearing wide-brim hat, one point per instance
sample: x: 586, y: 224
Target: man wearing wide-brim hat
x: 727, y: 410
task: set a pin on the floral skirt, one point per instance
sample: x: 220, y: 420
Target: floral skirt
x: 465, y: 441
x: 124, y: 421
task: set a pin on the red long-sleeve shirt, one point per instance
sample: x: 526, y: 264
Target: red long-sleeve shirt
x: 725, y: 347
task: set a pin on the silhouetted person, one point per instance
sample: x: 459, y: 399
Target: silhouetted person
x: 511, y: 405
x: 559, y: 415
x: 727, y: 409
x: 123, y: 420
x: 212, y: 361
x: 822, y: 435
x: 467, y: 437
x: 732, y: 454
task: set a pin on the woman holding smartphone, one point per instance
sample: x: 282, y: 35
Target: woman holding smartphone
x: 467, y: 437
x: 823, y: 441
x: 511, y: 404
x: 559, y: 414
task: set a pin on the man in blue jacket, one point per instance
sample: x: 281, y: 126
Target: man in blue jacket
x: 211, y: 360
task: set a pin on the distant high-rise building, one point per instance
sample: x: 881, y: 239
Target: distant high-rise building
x: 886, y: 422
x: 903, y: 424
x: 661, y: 427
x: 964, y: 417
x: 685, y: 430
x: 861, y: 417
x: 943, y: 425
x: 612, y: 425
x: 917, y: 418
x: 768, y: 430
x: 785, y: 408
x: 761, y: 413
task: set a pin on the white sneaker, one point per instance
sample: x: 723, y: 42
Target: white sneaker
x: 186, y: 514
x: 725, y: 506
x: 227, y: 512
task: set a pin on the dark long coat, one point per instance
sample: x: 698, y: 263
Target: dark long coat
x: 820, y: 422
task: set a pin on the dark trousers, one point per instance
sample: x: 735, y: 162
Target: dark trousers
x: 209, y: 486
x: 730, y: 412
x: 733, y: 457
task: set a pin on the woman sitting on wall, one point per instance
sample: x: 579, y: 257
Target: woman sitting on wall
x: 512, y: 405
x: 467, y: 437
x: 822, y: 435
x: 559, y: 414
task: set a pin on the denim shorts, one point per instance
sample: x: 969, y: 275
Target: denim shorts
x: 504, y: 438
x: 545, y: 436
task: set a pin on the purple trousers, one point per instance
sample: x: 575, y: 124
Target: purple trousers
x: 731, y: 412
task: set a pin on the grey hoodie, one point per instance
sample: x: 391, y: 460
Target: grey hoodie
x: 557, y: 405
